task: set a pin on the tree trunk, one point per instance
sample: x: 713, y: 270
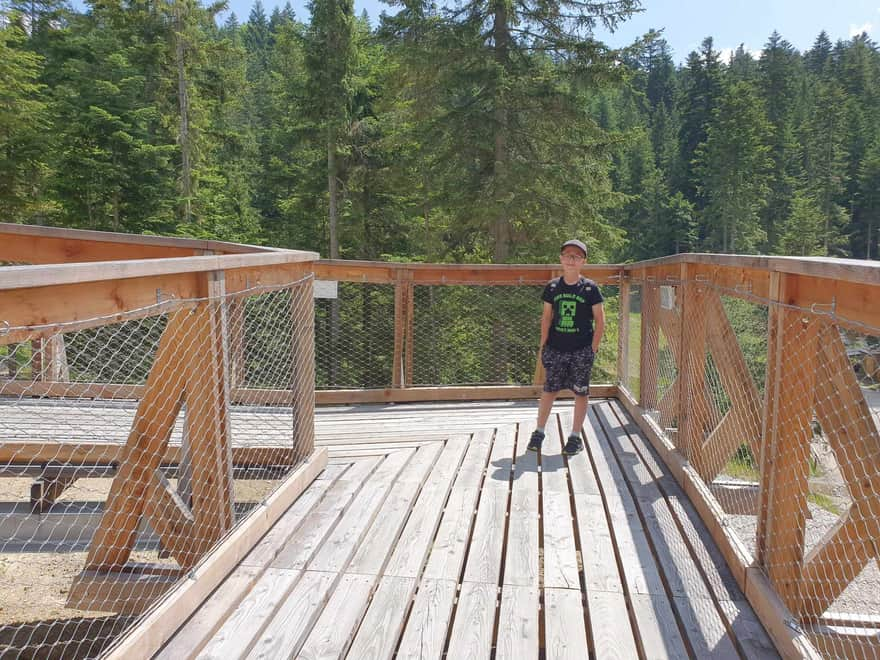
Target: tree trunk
x: 501, y: 222
x: 333, y: 189
x: 183, y: 102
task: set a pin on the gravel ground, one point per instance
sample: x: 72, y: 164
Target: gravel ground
x: 862, y: 596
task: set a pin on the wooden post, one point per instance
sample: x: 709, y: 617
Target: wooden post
x: 789, y: 397
x: 648, y: 365
x: 409, y: 302
x: 692, y: 402
x: 623, y: 332
x: 207, y: 416
x: 237, y: 342
x: 49, y: 361
x: 399, y: 331
x: 303, y: 354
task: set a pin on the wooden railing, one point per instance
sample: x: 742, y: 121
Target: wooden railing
x: 707, y: 393
x: 811, y: 393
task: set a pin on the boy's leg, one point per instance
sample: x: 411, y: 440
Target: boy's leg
x: 580, y: 413
x: 544, y: 407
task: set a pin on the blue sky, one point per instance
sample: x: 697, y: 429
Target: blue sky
x: 687, y: 22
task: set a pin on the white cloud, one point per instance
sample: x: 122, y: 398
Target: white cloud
x: 856, y: 30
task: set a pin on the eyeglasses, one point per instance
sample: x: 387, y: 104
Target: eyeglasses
x: 571, y: 256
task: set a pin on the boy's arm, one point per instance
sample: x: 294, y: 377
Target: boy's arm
x: 599, y: 318
x: 546, y: 320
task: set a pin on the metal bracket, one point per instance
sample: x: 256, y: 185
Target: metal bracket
x: 831, y: 307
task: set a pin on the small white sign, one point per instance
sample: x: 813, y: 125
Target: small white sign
x: 326, y: 289
x: 667, y: 297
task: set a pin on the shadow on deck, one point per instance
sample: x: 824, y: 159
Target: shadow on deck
x: 469, y: 546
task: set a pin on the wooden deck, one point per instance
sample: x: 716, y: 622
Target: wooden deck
x: 443, y: 537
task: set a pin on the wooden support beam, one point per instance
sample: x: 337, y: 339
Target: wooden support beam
x: 207, y: 418
x: 155, y: 417
x: 399, y: 334
x: 852, y: 435
x: 303, y: 360
x: 790, y: 393
x: 623, y: 332
x: 172, y: 520
x: 46, y: 490
x: 650, y: 345
x: 145, y: 639
x: 693, y: 408
x: 742, y: 423
x: 409, y: 332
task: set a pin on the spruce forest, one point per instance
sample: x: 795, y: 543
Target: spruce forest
x: 480, y: 131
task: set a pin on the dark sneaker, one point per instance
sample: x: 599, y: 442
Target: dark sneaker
x: 573, y: 445
x: 535, y: 441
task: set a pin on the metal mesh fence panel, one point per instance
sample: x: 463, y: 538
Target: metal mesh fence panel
x: 105, y: 504
x: 489, y: 335
x: 630, y: 380
x: 776, y: 409
x: 354, y: 337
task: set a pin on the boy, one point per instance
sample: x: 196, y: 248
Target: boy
x: 568, y: 341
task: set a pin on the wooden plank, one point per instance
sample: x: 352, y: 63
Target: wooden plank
x: 565, y: 634
x: 320, y: 522
x: 611, y: 631
x: 455, y: 274
x: 657, y: 627
x: 560, y: 555
x: 450, y: 544
x: 425, y: 633
x: 349, y: 533
x: 383, y: 623
x: 518, y: 623
x: 522, y: 558
x: 265, y: 552
x: 171, y: 519
x: 597, y: 547
x: 412, y: 549
x: 335, y: 628
x: 125, y: 592
x: 159, y: 624
x: 27, y: 277
x: 114, y: 539
x: 374, y: 551
x: 287, y: 631
x: 472, y: 627
x: 704, y: 629
x: 409, y: 334
x: 198, y: 629
x: 487, y: 538
x: 243, y: 626
x: 72, y: 243
x: 640, y: 569
x: 692, y: 571
x: 276, y: 397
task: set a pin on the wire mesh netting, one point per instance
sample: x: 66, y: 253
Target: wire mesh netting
x: 795, y: 467
x: 354, y: 337
x: 129, y: 446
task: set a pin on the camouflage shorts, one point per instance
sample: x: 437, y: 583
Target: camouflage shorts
x: 568, y: 369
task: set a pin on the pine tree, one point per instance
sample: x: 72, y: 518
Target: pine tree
x: 329, y: 58
x: 781, y: 83
x: 506, y: 87
x: 732, y: 166
x: 23, y: 124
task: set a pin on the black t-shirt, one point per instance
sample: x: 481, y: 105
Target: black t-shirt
x: 572, y: 326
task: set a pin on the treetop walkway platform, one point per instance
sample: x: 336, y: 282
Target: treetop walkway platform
x: 220, y: 450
